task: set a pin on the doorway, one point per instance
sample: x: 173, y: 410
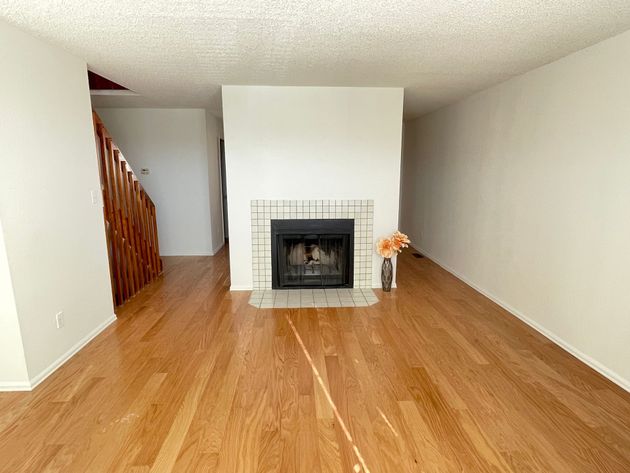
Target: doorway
x: 224, y: 191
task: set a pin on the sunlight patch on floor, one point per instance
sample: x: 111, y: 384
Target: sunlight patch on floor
x: 329, y: 399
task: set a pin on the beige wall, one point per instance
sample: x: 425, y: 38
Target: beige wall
x: 173, y: 145
x: 53, y: 234
x: 523, y: 190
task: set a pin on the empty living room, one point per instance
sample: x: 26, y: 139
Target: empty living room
x: 314, y: 237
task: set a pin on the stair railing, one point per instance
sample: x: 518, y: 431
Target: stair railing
x: 130, y: 221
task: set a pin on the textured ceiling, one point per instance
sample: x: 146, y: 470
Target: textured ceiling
x: 179, y: 53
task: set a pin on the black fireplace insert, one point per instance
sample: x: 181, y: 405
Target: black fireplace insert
x: 312, y: 253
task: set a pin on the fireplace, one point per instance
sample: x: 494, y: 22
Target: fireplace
x: 361, y: 212
x: 312, y: 253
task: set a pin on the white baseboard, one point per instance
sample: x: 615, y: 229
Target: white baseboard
x: 35, y: 380
x: 380, y: 286
x: 218, y: 248
x: 200, y: 253
x: 244, y: 287
x: 10, y: 386
x: 596, y: 365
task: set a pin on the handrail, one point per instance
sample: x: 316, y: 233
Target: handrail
x: 130, y: 221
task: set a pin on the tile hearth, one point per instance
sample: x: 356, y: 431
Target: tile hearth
x: 306, y: 298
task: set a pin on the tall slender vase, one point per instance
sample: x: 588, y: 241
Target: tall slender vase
x: 387, y: 274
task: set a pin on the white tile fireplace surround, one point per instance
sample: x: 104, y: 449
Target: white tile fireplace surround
x: 263, y: 211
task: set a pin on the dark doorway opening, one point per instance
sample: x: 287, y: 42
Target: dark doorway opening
x: 226, y: 228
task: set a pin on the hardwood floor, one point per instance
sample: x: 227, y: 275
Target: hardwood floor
x: 435, y: 377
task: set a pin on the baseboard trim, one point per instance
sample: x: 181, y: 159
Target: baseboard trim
x: 244, y: 287
x: 12, y: 386
x: 380, y: 286
x: 583, y: 357
x: 36, y: 380
x: 218, y: 248
x: 203, y: 253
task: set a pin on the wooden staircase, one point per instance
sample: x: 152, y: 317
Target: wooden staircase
x: 130, y: 221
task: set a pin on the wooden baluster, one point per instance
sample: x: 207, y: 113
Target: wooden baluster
x: 133, y: 204
x: 128, y: 229
x: 116, y: 220
x: 152, y: 233
x: 117, y: 224
x: 124, y: 231
x: 147, y: 217
x: 142, y: 233
x: 147, y: 213
x: 111, y: 217
x: 155, y: 238
x: 109, y: 230
x: 157, y: 242
x: 124, y: 289
x: 122, y: 225
x: 136, y: 230
x: 143, y: 247
x: 143, y: 227
x: 148, y: 232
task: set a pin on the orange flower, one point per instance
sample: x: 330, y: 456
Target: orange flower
x: 388, y: 247
x: 400, y: 241
x: 385, y: 247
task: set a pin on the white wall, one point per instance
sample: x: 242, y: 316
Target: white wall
x: 309, y: 143
x: 54, y: 235
x: 173, y: 144
x: 13, y: 373
x: 523, y: 190
x: 214, y: 131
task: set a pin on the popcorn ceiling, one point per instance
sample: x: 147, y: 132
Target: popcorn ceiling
x: 179, y: 53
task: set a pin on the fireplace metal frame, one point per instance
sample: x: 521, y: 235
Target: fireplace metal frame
x: 337, y: 226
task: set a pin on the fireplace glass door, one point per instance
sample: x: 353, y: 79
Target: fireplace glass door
x: 312, y: 259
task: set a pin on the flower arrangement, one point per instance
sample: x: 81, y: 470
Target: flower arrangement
x: 388, y: 248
